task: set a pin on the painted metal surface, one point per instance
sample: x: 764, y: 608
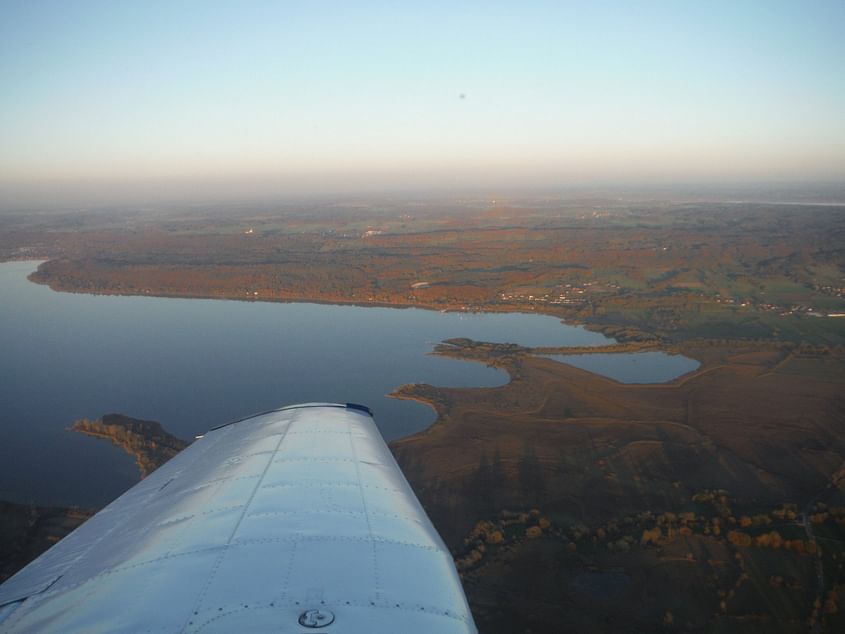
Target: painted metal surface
x: 297, y: 520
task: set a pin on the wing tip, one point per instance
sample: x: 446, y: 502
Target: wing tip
x: 360, y: 408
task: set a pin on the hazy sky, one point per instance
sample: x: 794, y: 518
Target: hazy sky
x: 205, y: 96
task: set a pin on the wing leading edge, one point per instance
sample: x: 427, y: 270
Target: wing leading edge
x: 294, y: 520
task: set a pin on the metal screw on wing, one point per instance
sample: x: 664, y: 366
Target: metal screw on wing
x: 316, y: 618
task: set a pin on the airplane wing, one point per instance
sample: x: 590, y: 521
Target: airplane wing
x: 295, y: 520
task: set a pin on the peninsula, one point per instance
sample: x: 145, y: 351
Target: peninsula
x: 28, y: 530
x: 144, y: 440
x: 712, y: 500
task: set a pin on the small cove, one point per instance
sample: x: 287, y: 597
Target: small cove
x: 632, y: 367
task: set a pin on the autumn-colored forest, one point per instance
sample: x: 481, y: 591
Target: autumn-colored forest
x: 679, y: 271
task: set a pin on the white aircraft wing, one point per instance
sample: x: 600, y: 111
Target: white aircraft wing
x: 296, y: 520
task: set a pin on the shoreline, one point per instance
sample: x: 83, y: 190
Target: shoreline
x: 448, y: 308
x: 439, y: 307
x: 614, y: 332
x: 415, y: 399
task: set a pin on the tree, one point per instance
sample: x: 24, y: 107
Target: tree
x: 738, y: 538
x: 533, y: 532
x: 651, y: 536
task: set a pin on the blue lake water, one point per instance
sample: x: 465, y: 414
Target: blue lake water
x: 192, y: 364
x: 635, y: 367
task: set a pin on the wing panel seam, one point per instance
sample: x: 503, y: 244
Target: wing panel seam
x: 222, y: 554
x: 366, y: 516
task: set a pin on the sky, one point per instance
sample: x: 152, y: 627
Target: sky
x: 110, y: 100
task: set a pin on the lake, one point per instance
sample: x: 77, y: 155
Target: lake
x: 192, y: 364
